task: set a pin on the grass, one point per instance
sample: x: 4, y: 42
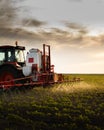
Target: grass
x: 67, y: 106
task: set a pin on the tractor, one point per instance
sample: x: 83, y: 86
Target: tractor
x: 16, y: 70
x: 12, y: 60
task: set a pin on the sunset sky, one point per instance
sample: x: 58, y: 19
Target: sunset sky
x: 73, y: 28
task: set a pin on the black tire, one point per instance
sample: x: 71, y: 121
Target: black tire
x: 8, y: 73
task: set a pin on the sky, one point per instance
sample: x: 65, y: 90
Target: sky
x: 73, y: 28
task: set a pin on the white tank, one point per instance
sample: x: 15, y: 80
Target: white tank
x: 34, y: 56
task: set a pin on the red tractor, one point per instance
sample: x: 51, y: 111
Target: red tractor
x: 11, y: 62
x: 15, y: 70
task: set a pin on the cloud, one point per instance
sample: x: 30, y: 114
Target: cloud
x: 7, y: 13
x: 9, y: 24
x: 8, y: 16
x: 73, y: 34
x: 32, y: 22
x: 59, y: 36
x: 56, y: 35
x: 77, y: 28
x: 18, y: 33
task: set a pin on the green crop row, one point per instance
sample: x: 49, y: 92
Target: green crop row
x: 66, y: 106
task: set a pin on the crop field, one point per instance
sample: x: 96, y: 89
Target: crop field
x: 66, y: 106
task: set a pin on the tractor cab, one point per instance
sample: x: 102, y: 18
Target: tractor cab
x: 12, y: 54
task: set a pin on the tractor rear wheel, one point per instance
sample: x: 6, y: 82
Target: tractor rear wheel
x: 7, y: 76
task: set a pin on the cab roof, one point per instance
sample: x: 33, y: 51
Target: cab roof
x: 12, y: 47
